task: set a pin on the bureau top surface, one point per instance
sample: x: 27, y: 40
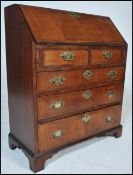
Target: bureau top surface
x: 58, y: 26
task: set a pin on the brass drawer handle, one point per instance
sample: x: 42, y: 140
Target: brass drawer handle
x: 109, y: 119
x: 86, y: 118
x: 87, y: 94
x: 57, y: 105
x: 112, y: 74
x: 110, y: 94
x: 58, y: 80
x: 74, y: 14
x: 67, y: 56
x: 58, y: 134
x: 88, y: 74
x: 107, y: 54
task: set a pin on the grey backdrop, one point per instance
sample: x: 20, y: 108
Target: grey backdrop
x: 15, y: 162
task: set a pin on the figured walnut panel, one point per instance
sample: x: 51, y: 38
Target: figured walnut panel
x: 76, y: 78
x: 75, y: 129
x: 97, y: 56
x: 49, y: 25
x: 74, y: 101
x: 53, y: 58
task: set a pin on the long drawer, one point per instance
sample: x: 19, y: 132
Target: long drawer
x: 49, y: 81
x: 64, y: 131
x: 65, y: 103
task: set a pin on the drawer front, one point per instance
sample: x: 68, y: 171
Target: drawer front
x: 64, y: 131
x: 49, y: 81
x: 64, y: 57
x: 65, y: 103
x: 106, y: 56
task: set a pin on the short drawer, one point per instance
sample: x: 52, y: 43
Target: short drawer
x: 50, y: 81
x: 64, y: 57
x: 65, y: 131
x: 65, y: 103
x: 106, y: 56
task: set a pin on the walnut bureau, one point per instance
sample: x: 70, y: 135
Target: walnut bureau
x: 65, y: 73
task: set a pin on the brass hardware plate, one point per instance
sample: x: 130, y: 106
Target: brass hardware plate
x: 86, y: 118
x: 74, y: 15
x: 110, y: 94
x: 107, y: 54
x: 58, y: 134
x: 112, y: 74
x: 59, y: 80
x: 67, y: 56
x: 88, y: 74
x: 57, y: 105
x: 87, y: 94
x: 38, y: 61
x: 108, y: 118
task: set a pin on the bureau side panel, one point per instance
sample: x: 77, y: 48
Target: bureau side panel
x: 19, y: 77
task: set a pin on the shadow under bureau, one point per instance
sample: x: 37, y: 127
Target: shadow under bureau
x: 65, y: 73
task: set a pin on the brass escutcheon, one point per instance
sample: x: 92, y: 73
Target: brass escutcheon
x: 59, y: 80
x: 108, y: 118
x: 86, y: 118
x: 88, y: 74
x: 74, y: 15
x: 107, y: 54
x: 67, y: 56
x: 110, y: 94
x: 38, y: 61
x: 112, y: 74
x: 58, y: 133
x: 87, y: 94
x: 57, y: 105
